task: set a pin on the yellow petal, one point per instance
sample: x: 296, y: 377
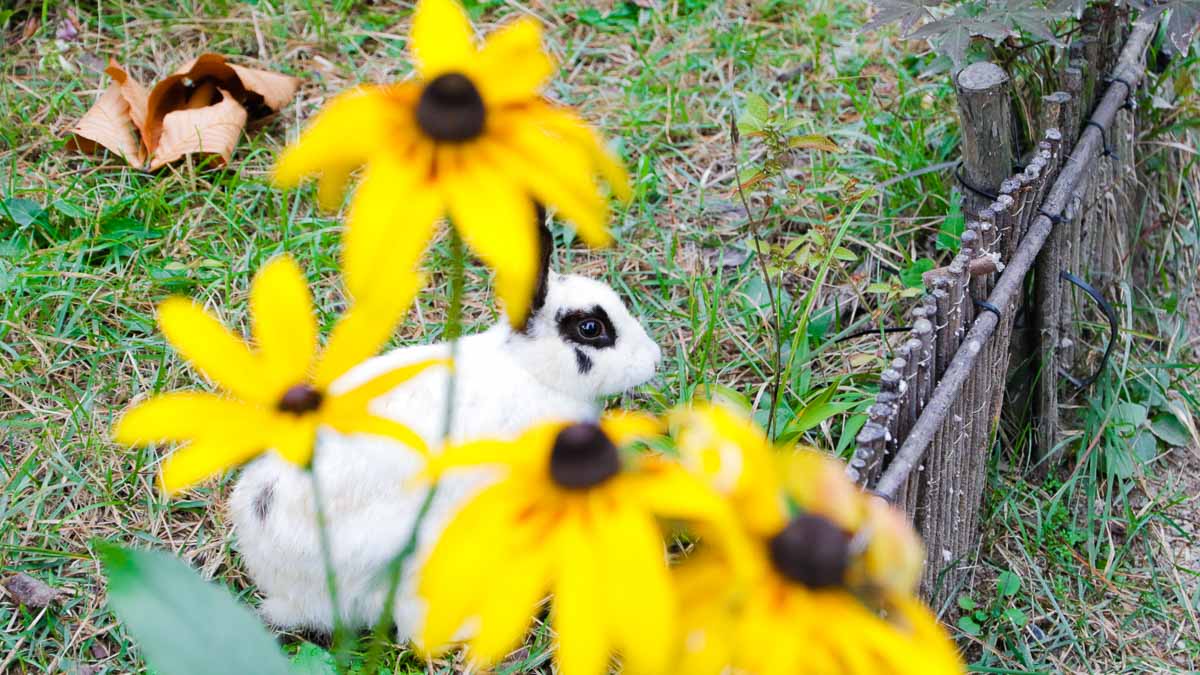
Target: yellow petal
x: 707, y: 615
x: 367, y: 325
x: 210, y: 456
x: 375, y: 425
x: 213, y: 350
x: 442, y: 38
x: 283, y: 324
x: 353, y: 127
x: 453, y: 582
x: 354, y: 401
x: 498, y: 222
x: 577, y: 605
x: 512, y: 66
x: 391, y: 220
x: 508, y: 609
x: 182, y: 416
x: 636, y: 588
x: 624, y: 427
x: 607, y: 162
x: 529, y: 453
x: 558, y: 174
x: 293, y: 437
x: 670, y: 492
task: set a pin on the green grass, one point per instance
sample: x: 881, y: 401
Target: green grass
x: 87, y: 247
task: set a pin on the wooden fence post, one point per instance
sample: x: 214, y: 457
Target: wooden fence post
x: 985, y: 115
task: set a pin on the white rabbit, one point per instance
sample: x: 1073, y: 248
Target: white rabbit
x: 579, y: 345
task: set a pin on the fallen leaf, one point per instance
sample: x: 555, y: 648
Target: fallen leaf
x: 109, y: 123
x: 201, y: 108
x: 196, y: 83
x: 211, y: 130
x: 29, y: 591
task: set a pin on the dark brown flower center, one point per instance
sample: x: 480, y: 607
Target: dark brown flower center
x: 300, y: 399
x: 451, y: 109
x: 812, y: 551
x: 583, y: 457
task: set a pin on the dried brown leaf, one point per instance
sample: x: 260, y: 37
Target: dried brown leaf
x: 29, y: 591
x: 132, y: 91
x: 109, y: 124
x: 259, y: 92
x: 276, y: 89
x: 210, y: 129
x: 201, y: 108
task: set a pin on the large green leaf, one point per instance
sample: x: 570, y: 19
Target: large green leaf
x: 184, y: 624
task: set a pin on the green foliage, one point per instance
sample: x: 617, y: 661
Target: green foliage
x: 999, y: 617
x: 953, y: 28
x: 184, y: 624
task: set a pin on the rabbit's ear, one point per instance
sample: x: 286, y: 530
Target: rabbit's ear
x: 546, y: 245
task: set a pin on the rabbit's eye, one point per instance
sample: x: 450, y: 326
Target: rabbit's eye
x: 590, y: 329
x: 587, y: 328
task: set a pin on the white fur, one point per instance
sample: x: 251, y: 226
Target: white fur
x: 506, y: 381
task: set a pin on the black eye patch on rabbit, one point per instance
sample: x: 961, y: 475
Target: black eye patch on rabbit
x: 587, y: 328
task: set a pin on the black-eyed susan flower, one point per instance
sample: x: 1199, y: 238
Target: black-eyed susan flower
x: 274, y: 396
x: 575, y: 517
x: 472, y: 137
x: 832, y: 572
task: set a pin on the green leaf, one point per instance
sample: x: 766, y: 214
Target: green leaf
x: 1008, y: 583
x: 312, y: 660
x: 966, y: 602
x: 1145, y: 446
x: 911, y: 276
x: 818, y: 409
x: 1170, y: 430
x: 813, y: 142
x: 844, y: 254
x: 968, y: 625
x: 952, y: 226
x: 1130, y: 415
x: 1120, y: 461
x: 22, y: 211
x: 184, y: 624
x: 755, y: 114
x: 1016, y: 616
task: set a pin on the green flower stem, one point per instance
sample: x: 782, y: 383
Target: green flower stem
x: 339, y: 628
x: 451, y: 332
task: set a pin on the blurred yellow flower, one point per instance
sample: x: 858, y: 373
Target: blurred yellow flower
x: 275, y: 396
x: 471, y: 136
x: 832, y: 569
x: 573, y: 517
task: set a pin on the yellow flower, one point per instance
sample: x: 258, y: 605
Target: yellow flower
x: 277, y: 395
x: 831, y: 574
x: 780, y: 623
x: 471, y: 136
x: 571, y: 516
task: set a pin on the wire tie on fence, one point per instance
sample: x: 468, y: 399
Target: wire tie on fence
x: 1114, y: 328
x: 978, y: 191
x: 1108, y: 151
x: 1129, y: 102
x: 1055, y: 218
x: 988, y: 307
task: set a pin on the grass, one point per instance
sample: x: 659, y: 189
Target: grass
x: 88, y: 247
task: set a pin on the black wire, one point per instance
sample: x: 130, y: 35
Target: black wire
x: 1114, y: 328
x: 978, y: 191
x: 874, y: 331
x: 1055, y: 218
x: 1108, y: 151
x: 988, y: 307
